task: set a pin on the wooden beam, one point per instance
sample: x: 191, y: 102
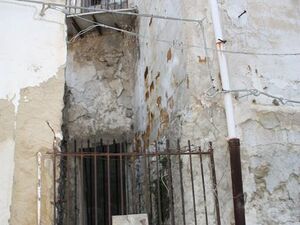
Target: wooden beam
x: 76, y: 26
x: 98, y: 27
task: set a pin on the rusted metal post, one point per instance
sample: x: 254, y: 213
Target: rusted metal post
x: 203, y: 186
x: 181, y: 183
x: 158, y: 186
x: 170, y: 184
x: 127, y: 180
x: 95, y: 183
x: 82, y: 187
x: 89, y: 184
x: 150, y: 193
x: 108, y: 185
x: 54, y: 186
x: 75, y: 184
x: 121, y: 179
x: 146, y: 183
x: 68, y: 184
x: 214, y: 183
x: 237, y: 182
x: 192, y: 181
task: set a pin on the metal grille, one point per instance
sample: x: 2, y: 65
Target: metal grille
x: 96, y: 181
x: 92, y: 5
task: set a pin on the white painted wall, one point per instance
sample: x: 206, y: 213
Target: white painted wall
x: 32, y: 49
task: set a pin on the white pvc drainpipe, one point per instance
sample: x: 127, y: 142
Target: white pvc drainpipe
x: 223, y: 69
x: 233, y: 142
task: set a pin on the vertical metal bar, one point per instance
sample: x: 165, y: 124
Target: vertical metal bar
x: 138, y: 179
x: 75, y: 183
x: 82, y: 184
x: 76, y: 6
x: 181, y: 183
x: 108, y: 186
x: 126, y: 180
x: 237, y: 181
x: 54, y: 185
x: 149, y: 185
x: 104, y: 167
x: 203, y: 186
x: 70, y: 3
x: 117, y: 185
x: 95, y: 183
x: 89, y: 186
x: 170, y: 184
x: 133, y: 188
x: 158, y: 185
x: 68, y: 186
x: 192, y: 180
x: 121, y: 179
x: 146, y: 180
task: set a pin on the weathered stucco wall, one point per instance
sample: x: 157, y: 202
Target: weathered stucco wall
x: 32, y: 58
x: 269, y: 131
x: 99, y: 82
x: 169, y: 96
x: 172, y: 80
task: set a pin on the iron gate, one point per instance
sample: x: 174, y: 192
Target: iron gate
x: 95, y: 181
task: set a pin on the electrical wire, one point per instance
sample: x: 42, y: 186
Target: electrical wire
x: 248, y: 92
x: 254, y: 92
x: 174, y: 43
x: 122, y: 11
x: 113, y: 28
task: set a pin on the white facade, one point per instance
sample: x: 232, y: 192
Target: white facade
x: 32, y: 52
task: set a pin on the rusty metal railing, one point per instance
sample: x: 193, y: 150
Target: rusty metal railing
x: 91, y: 5
x: 97, y: 181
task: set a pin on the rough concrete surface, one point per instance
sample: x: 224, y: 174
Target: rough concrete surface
x: 173, y: 79
x: 99, y: 82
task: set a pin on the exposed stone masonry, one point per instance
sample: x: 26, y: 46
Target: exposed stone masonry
x: 99, y: 86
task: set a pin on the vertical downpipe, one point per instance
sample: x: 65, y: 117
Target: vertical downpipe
x: 237, y: 182
x: 233, y: 142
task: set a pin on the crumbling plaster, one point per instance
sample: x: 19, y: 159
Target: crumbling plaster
x: 32, y: 56
x: 269, y: 131
x: 271, y: 164
x: 169, y: 93
x: 178, y: 107
x: 99, y: 86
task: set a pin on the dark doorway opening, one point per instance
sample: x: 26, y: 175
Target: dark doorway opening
x: 103, y: 177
